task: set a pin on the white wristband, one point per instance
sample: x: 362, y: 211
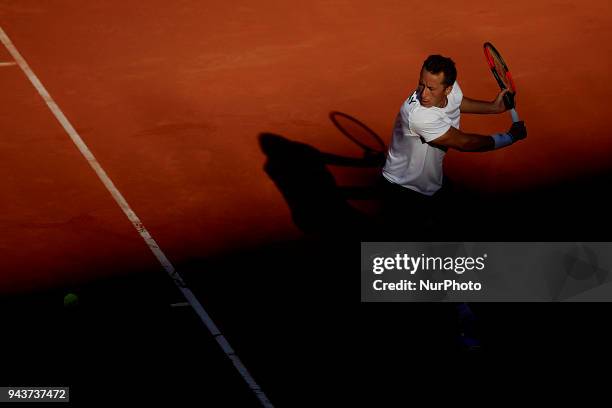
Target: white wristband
x: 502, y: 140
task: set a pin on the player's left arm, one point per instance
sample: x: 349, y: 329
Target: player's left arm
x: 469, y: 105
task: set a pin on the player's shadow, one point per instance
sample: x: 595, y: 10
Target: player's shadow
x: 319, y: 207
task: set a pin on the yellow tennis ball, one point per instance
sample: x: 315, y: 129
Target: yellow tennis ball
x: 71, y: 300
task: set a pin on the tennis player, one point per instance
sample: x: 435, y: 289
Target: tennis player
x: 425, y: 128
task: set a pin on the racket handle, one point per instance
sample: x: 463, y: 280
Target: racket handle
x: 514, y: 114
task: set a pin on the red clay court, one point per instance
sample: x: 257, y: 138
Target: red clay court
x: 172, y: 99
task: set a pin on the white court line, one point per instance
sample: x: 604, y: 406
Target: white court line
x: 131, y: 215
x: 7, y: 64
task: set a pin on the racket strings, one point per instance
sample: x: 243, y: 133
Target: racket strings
x: 498, y: 65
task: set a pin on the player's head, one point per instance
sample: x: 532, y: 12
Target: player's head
x: 436, y: 81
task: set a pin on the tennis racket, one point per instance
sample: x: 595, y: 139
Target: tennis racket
x: 502, y: 75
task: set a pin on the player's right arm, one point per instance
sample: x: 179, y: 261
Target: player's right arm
x: 472, y: 142
x: 469, y: 105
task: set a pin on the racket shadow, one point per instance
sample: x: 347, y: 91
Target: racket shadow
x: 358, y: 132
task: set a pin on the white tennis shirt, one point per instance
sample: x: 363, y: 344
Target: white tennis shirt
x: 411, y: 162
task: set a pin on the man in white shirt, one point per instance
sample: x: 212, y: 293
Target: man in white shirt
x: 426, y: 126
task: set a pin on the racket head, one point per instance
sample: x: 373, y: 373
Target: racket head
x: 501, y: 73
x: 358, y: 132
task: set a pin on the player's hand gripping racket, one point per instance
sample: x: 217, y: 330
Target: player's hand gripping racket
x: 502, y: 76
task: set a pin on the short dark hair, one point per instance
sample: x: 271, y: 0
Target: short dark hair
x: 437, y: 63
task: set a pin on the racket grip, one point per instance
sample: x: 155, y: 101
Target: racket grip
x: 514, y: 114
